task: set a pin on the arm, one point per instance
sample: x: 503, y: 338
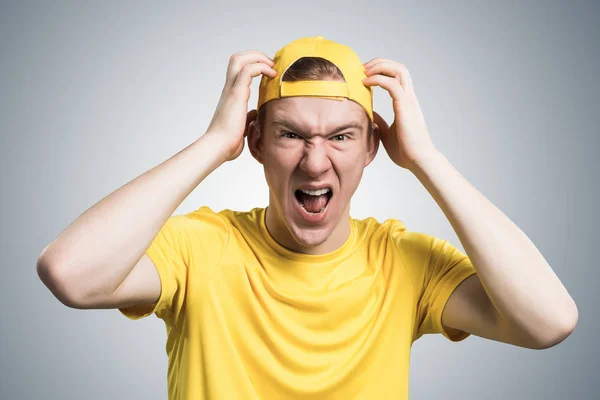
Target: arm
x: 96, y: 252
x: 515, y: 296
x: 98, y: 260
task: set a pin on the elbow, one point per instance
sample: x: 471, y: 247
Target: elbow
x: 562, y: 329
x: 51, y: 277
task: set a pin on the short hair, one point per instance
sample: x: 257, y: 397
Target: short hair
x: 310, y: 69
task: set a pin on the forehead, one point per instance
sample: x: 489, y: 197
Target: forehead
x: 314, y: 114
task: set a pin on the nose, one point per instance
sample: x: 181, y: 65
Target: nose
x: 315, y: 161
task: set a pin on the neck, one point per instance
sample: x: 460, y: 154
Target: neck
x: 281, y: 234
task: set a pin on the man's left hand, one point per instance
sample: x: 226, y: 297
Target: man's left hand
x: 407, y: 140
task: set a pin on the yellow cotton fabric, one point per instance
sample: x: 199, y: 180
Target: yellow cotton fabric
x: 248, y: 319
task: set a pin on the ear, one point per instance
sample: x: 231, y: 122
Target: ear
x: 254, y: 135
x: 381, y: 124
x: 374, y: 139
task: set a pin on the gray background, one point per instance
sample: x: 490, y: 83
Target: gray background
x: 93, y: 94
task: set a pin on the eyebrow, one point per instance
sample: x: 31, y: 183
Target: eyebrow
x: 290, y: 125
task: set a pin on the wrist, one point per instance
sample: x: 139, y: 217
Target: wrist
x: 423, y: 162
x: 214, y: 147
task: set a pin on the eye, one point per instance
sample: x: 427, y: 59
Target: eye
x: 340, y: 138
x: 290, y: 135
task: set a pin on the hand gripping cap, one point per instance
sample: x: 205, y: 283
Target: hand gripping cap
x: 342, y: 56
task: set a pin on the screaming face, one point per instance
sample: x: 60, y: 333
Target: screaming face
x: 314, y: 151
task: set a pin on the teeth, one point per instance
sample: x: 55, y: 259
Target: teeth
x: 317, y: 192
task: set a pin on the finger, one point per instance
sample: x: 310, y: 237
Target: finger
x: 239, y: 60
x: 368, y: 64
x: 249, y: 71
x: 393, y: 70
x: 390, y: 84
x: 253, y: 56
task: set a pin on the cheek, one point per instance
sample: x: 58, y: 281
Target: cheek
x: 278, y: 167
x: 350, y: 168
x: 280, y: 163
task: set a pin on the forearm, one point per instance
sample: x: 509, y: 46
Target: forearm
x: 515, y: 275
x: 97, y: 251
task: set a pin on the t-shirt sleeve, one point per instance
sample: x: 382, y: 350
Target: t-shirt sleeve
x: 186, y: 247
x: 437, y: 268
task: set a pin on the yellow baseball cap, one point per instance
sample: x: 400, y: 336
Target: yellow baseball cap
x: 341, y: 55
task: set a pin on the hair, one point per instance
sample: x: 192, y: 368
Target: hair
x: 310, y: 69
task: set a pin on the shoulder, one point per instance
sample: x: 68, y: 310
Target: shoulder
x: 202, y: 218
x: 390, y: 229
x: 239, y: 219
x: 207, y: 214
x: 225, y: 220
x: 397, y: 231
x: 413, y: 248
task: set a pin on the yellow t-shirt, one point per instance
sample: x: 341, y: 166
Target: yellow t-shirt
x: 248, y: 319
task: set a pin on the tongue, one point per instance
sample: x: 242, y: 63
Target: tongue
x: 313, y: 204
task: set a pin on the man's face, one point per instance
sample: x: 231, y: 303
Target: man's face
x: 313, y: 151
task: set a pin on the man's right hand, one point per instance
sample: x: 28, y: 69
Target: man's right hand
x: 230, y: 119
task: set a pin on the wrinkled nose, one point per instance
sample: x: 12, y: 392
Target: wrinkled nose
x: 315, y: 161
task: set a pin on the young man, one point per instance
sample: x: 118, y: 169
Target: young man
x: 298, y: 299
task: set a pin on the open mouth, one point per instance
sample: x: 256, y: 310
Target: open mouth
x: 313, y: 202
